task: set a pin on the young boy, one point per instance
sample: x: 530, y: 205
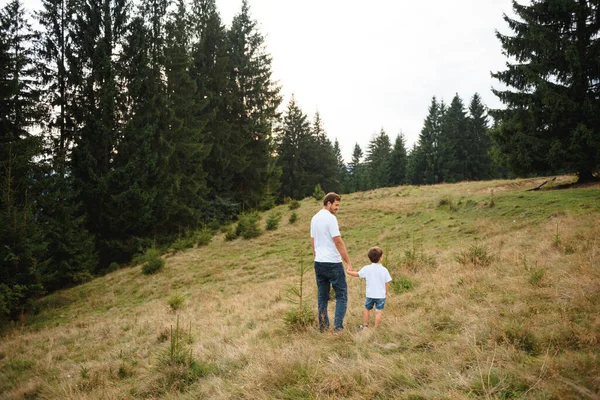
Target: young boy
x: 378, y: 279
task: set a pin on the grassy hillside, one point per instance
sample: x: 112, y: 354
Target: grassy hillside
x: 496, y: 294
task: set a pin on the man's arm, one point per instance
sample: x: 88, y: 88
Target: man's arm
x: 312, y: 244
x: 341, y: 247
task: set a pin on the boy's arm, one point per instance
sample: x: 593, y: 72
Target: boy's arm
x: 351, y: 272
x: 387, y: 285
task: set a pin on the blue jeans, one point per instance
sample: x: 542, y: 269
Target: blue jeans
x: 328, y: 275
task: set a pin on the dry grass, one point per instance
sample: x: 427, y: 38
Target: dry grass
x: 526, y: 325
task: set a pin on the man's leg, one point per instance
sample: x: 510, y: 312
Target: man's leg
x: 338, y: 281
x: 323, y: 288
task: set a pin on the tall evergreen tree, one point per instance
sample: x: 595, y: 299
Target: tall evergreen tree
x: 454, y: 160
x: 343, y: 175
x: 21, y: 245
x: 398, y: 161
x: 552, y: 116
x: 213, y: 102
x: 97, y: 32
x: 295, y: 131
x: 426, y: 157
x: 415, y: 166
x: 358, y: 172
x: 378, y: 160
x: 253, y: 111
x: 480, y: 142
x: 186, y: 175
x: 70, y: 250
x: 322, y: 159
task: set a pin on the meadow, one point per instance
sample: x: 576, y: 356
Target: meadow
x: 495, y: 294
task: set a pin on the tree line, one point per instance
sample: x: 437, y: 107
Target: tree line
x: 124, y: 126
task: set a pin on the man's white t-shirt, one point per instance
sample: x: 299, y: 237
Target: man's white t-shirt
x: 377, y: 276
x: 323, y: 228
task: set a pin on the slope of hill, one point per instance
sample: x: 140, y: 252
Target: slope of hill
x: 496, y: 294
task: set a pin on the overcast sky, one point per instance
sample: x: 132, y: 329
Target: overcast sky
x: 371, y: 65
x: 367, y: 66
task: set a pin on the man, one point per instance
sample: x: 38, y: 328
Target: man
x: 329, y: 251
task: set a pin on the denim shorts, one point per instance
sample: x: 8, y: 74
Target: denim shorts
x: 378, y: 303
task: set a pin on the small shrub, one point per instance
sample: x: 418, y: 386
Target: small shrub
x: 112, y: 267
x: 318, y: 193
x: 521, y: 338
x: 476, y: 255
x: 448, y: 201
x: 492, y: 200
x: 294, y: 204
x: 293, y: 218
x: 247, y: 226
x: 124, y: 370
x: 153, y: 262
x: 183, y: 243
x: 231, y: 234
x: 415, y: 260
x: 176, y: 301
x: 535, y: 276
x: 273, y: 221
x: 401, y: 284
x: 177, y: 364
x: 299, y: 318
x: 203, y: 236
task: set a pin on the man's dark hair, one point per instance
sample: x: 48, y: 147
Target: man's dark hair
x: 331, y: 197
x: 375, y: 254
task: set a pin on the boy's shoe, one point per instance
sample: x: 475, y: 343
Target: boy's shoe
x: 362, y: 326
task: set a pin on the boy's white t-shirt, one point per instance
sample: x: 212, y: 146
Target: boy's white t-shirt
x: 323, y: 228
x: 377, y: 276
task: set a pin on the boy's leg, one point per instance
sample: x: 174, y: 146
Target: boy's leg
x: 366, y: 315
x: 379, y: 304
x: 378, y: 316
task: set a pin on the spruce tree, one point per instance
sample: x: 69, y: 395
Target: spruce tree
x: 186, y: 178
x: 97, y: 32
x: 454, y: 153
x: 295, y: 130
x: 427, y: 157
x: 212, y: 102
x: 21, y: 246
x: 378, y: 160
x: 358, y: 172
x: 480, y: 141
x: 322, y: 161
x: 252, y: 112
x: 552, y: 118
x: 343, y: 174
x: 70, y: 248
x: 398, y: 161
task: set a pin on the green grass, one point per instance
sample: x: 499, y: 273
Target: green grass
x: 522, y: 326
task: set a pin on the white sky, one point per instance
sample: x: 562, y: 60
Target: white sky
x: 365, y: 67
x: 371, y: 65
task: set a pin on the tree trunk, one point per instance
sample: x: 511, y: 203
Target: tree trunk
x: 586, y: 176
